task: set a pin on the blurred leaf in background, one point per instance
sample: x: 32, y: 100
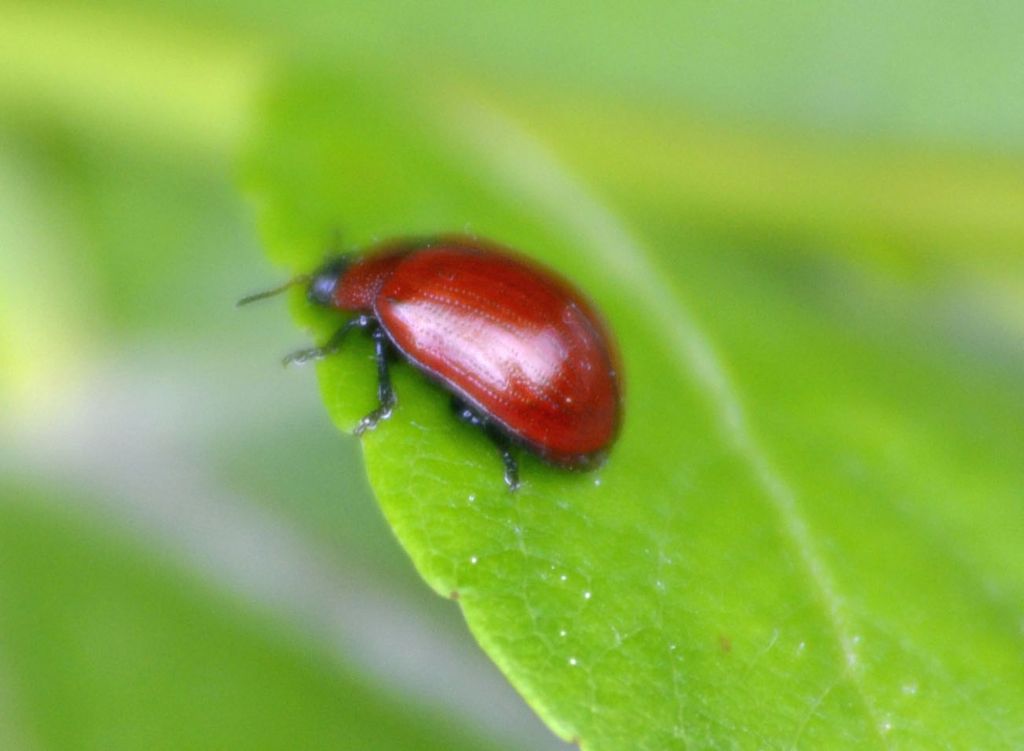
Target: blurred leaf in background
x: 816, y: 210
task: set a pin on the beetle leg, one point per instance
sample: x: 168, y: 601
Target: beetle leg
x: 331, y: 346
x: 385, y: 393
x: 511, y: 465
x: 467, y: 414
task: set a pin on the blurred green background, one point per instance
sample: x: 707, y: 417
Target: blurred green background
x: 190, y: 556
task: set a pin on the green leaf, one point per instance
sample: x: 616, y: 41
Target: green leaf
x: 808, y: 534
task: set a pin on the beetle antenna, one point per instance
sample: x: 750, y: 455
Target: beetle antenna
x: 300, y: 279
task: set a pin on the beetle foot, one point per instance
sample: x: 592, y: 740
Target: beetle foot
x: 371, y: 420
x: 302, y: 356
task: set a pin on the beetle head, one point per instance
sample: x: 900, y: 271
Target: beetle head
x: 325, y: 280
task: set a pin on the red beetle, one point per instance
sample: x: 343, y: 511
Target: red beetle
x: 522, y: 353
